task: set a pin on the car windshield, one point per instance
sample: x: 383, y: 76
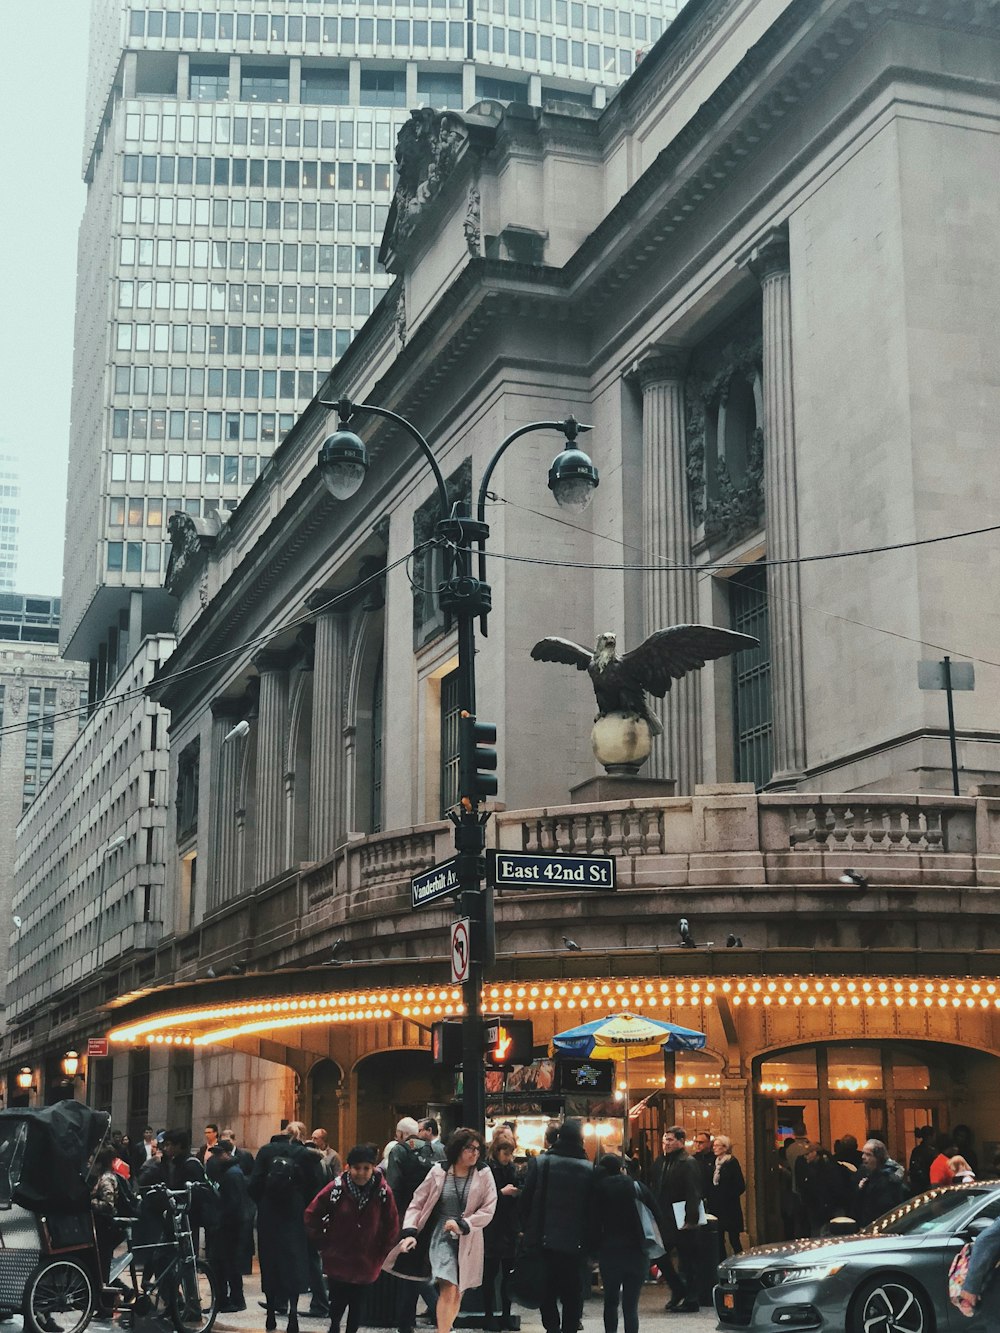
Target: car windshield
x: 936, y: 1211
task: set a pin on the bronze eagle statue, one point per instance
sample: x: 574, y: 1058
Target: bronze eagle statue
x: 622, y: 683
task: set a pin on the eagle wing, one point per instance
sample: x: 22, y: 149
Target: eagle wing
x: 562, y: 650
x: 669, y: 654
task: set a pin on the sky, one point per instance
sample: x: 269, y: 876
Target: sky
x: 41, y: 201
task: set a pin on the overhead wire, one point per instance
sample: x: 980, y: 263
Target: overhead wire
x: 247, y: 645
x: 546, y: 562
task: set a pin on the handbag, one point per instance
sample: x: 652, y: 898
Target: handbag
x: 527, y: 1281
x: 652, y: 1241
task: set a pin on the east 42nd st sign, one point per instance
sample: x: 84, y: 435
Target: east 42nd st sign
x: 526, y: 870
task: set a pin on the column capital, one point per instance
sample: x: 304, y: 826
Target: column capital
x: 270, y: 660
x: 319, y: 602
x: 768, y: 256
x: 660, y: 365
x: 228, y: 706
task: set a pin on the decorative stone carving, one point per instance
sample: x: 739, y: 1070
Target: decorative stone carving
x: 427, y: 149
x: 473, y: 222
x: 189, y: 538
x: 401, y: 317
x: 731, y: 510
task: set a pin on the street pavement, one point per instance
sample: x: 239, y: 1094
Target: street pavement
x: 652, y: 1318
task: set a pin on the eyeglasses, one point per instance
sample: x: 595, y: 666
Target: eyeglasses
x: 472, y: 1147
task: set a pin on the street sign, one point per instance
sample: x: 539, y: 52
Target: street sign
x: 460, y: 951
x: 97, y: 1048
x: 438, y: 882
x: 526, y: 870
x: 934, y: 675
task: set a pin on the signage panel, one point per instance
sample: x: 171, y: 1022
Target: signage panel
x: 97, y: 1048
x: 460, y: 951
x: 527, y: 870
x: 438, y: 882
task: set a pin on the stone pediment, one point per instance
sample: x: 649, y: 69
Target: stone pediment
x: 429, y: 148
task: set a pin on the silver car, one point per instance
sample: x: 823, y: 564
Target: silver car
x: 890, y: 1278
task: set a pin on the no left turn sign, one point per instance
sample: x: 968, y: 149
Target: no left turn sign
x: 460, y: 951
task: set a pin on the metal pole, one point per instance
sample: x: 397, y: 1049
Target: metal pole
x: 952, y: 738
x: 470, y: 842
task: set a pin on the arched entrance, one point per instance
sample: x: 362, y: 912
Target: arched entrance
x: 868, y: 1089
x: 391, y: 1084
x: 325, y: 1080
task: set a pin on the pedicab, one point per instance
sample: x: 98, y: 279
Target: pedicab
x: 48, y: 1249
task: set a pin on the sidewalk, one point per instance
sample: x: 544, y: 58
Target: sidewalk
x: 651, y: 1316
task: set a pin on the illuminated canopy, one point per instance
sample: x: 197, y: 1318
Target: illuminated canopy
x: 206, y: 1025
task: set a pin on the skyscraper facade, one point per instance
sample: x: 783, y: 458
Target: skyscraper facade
x: 10, y: 514
x: 239, y: 165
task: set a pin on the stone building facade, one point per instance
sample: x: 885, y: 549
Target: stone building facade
x: 763, y: 275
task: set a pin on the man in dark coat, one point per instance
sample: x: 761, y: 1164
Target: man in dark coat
x: 920, y: 1159
x: 704, y: 1158
x: 406, y: 1164
x: 287, y: 1175
x: 556, y: 1207
x: 676, y: 1179
x: 881, y: 1187
x: 226, y: 1241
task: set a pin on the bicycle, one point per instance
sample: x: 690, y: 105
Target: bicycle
x: 177, y: 1290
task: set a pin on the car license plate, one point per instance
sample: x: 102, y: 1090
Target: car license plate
x: 728, y: 1301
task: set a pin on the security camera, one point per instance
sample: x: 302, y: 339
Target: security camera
x: 241, y: 729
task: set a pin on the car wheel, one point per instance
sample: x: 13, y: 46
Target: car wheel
x: 889, y: 1305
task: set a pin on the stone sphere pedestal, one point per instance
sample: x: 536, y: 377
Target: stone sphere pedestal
x: 622, y: 743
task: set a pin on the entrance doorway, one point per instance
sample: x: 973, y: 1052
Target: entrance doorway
x: 392, y: 1084
x: 325, y: 1080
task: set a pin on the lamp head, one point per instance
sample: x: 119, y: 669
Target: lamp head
x: 25, y: 1078
x: 573, y: 478
x: 342, y: 463
x: 70, y: 1064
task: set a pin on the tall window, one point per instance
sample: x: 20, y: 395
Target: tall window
x: 450, y: 709
x: 375, y: 816
x: 752, y: 719
x: 39, y: 743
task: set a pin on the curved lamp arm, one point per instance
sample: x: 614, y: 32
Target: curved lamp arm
x: 346, y: 409
x: 570, y: 427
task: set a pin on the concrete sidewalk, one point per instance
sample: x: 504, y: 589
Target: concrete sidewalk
x: 651, y: 1315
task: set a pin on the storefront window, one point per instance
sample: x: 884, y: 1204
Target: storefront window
x: 854, y: 1069
x: 792, y: 1069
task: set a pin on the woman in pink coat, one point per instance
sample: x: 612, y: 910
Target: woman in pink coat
x: 462, y: 1196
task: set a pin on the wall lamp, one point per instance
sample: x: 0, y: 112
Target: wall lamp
x: 853, y: 877
x: 26, y: 1079
x: 70, y: 1065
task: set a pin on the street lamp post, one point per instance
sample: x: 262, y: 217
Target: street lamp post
x: 343, y: 462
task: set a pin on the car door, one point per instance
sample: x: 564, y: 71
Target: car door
x: 946, y: 1247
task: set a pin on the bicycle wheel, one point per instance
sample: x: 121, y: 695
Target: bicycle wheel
x: 59, y: 1296
x: 194, y: 1299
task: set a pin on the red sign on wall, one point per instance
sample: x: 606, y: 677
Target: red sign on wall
x: 97, y: 1047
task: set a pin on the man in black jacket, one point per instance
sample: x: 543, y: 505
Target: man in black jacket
x: 556, y: 1207
x: 676, y: 1180
x: 881, y: 1187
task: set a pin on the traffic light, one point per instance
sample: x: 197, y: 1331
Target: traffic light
x: 508, y: 1041
x: 446, y: 1043
x: 475, y: 754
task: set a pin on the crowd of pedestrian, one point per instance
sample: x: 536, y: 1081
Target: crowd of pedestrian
x: 447, y: 1218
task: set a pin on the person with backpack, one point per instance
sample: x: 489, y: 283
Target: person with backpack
x: 354, y: 1224
x: 286, y: 1176
x: 618, y: 1239
x: 406, y: 1165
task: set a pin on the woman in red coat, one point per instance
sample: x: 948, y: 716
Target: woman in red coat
x: 354, y: 1224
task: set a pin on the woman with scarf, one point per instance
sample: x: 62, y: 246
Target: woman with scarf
x: 451, y: 1207
x: 724, y: 1193
x: 353, y: 1223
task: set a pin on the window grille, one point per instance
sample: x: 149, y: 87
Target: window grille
x: 450, y: 709
x: 752, y: 716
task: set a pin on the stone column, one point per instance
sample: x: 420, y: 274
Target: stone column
x: 670, y: 597
x: 272, y: 742
x: 328, y: 816
x: 227, y: 764
x: 769, y: 263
